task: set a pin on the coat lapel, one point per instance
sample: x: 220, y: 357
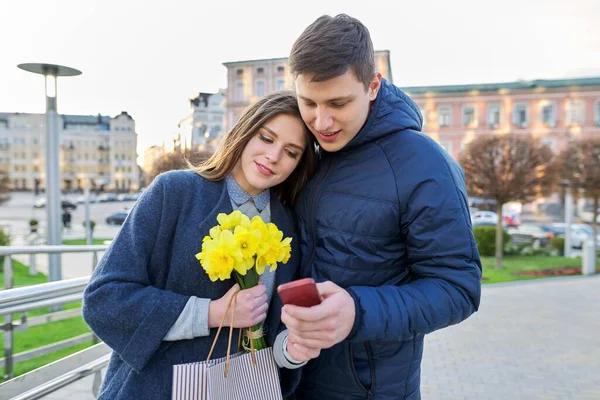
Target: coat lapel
x: 223, y: 206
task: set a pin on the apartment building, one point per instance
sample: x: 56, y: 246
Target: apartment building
x: 99, y: 148
x: 556, y: 111
x: 249, y: 80
x: 202, y: 129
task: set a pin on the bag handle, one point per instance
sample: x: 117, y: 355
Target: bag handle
x: 232, y: 302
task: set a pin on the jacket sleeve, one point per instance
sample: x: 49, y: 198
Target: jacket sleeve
x: 445, y: 268
x: 120, y: 304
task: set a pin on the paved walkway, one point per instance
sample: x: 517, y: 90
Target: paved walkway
x: 530, y: 340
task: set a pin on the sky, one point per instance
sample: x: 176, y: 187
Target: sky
x: 149, y: 57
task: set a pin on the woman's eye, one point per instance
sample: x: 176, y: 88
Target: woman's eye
x: 265, y: 139
x: 292, y: 154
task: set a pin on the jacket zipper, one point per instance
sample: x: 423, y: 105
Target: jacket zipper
x: 369, y: 391
x: 310, y: 218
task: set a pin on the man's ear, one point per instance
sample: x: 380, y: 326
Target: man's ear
x: 374, y: 86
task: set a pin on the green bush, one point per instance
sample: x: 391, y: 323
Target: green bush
x: 92, y: 225
x: 558, y: 243
x: 485, y: 237
x: 4, y: 241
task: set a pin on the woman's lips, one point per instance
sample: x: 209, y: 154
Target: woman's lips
x: 264, y: 170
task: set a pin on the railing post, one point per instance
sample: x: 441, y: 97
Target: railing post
x: 95, y: 338
x: 32, y: 267
x: 8, y: 322
x: 588, y: 266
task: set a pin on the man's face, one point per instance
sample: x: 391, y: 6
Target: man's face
x: 335, y: 110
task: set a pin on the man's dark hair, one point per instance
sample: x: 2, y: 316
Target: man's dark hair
x: 330, y: 46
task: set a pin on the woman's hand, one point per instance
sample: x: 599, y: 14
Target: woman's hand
x: 250, y: 307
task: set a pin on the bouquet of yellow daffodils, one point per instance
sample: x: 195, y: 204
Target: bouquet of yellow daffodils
x: 245, y: 248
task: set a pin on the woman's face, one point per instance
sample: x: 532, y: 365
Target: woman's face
x: 271, y: 155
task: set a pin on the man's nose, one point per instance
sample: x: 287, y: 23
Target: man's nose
x: 323, y: 120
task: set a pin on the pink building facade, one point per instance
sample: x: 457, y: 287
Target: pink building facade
x: 556, y: 111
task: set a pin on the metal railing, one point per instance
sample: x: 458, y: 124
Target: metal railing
x: 23, y: 299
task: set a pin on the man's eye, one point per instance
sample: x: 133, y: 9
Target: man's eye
x: 311, y: 105
x: 338, y: 105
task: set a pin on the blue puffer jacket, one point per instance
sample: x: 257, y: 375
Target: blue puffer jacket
x: 386, y: 218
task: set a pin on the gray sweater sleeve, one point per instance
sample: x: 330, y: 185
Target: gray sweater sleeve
x: 192, y: 322
x: 282, y: 357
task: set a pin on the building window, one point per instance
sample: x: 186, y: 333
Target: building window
x: 260, y: 70
x: 494, y: 111
x: 549, y: 115
x: 575, y: 112
x: 469, y: 116
x: 520, y: 116
x: 280, y: 68
x: 444, y: 116
x: 240, y: 71
x: 260, y: 88
x: 239, y: 90
x: 280, y: 84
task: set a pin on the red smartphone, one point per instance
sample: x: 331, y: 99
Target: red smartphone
x: 302, y: 293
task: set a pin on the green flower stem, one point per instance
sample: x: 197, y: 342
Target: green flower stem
x: 246, y: 282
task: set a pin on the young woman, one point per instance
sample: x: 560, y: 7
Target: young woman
x: 150, y: 300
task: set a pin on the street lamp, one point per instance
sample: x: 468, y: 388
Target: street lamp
x: 51, y: 72
x: 568, y: 215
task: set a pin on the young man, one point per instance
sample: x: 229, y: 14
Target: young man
x: 384, y: 226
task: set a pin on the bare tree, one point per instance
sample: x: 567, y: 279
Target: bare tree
x: 177, y: 160
x: 508, y: 168
x: 4, y: 187
x: 580, y: 164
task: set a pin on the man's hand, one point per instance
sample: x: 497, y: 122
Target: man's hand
x: 322, y: 326
x: 299, y: 352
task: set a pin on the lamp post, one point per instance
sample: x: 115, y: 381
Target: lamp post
x: 568, y: 215
x: 53, y: 205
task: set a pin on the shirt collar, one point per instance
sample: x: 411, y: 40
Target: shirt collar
x: 240, y: 196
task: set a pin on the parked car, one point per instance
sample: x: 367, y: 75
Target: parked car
x: 541, y: 234
x: 64, y: 204
x: 484, y: 217
x: 512, y: 220
x: 579, y: 233
x: 106, y: 197
x: 117, y: 218
x: 81, y: 199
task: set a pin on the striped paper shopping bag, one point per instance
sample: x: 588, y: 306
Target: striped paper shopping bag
x: 245, y: 380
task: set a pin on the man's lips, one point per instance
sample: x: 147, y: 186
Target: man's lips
x: 328, y: 136
x: 264, y: 170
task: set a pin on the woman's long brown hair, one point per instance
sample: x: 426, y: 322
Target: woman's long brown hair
x: 221, y: 163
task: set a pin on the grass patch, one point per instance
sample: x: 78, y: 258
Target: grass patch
x: 523, y: 263
x: 79, y: 242
x: 21, y: 276
x: 30, y: 365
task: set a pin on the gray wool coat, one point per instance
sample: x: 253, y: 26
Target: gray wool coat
x: 147, y: 275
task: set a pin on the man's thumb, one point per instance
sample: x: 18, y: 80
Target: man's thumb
x: 327, y: 288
